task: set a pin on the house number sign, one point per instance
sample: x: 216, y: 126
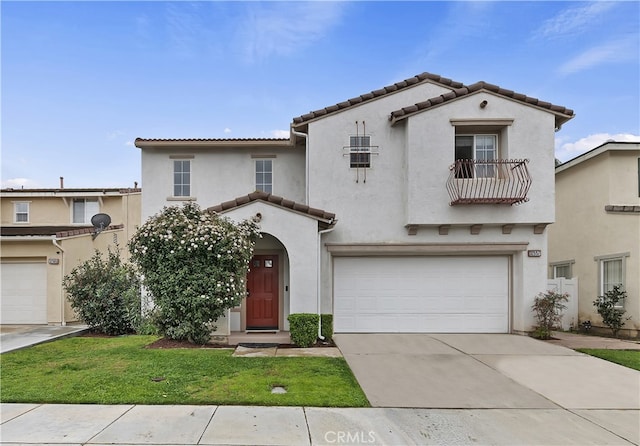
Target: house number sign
x: 534, y: 253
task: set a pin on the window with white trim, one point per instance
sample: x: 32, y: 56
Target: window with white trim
x: 562, y: 270
x: 21, y: 212
x: 612, y: 272
x: 264, y: 175
x: 84, y: 209
x: 482, y: 148
x: 181, y: 178
x: 360, y: 151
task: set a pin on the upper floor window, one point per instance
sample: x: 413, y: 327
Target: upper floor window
x: 360, y: 151
x: 181, y: 178
x: 84, y: 209
x: 481, y: 150
x: 264, y: 175
x: 21, y: 211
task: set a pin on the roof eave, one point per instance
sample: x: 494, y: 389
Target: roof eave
x: 142, y: 143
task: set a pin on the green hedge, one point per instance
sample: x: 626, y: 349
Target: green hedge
x: 303, y: 328
x: 327, y: 327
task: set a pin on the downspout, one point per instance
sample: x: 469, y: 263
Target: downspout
x: 63, y: 322
x: 319, y: 285
x: 306, y: 163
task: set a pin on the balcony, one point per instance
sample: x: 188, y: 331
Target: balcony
x: 488, y: 182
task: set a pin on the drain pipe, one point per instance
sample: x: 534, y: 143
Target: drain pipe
x: 319, y: 285
x: 306, y: 163
x: 63, y: 322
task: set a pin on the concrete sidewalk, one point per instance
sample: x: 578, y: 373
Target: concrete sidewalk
x: 297, y: 426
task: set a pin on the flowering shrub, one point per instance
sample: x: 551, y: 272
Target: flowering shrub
x: 608, y: 308
x: 548, y: 308
x: 194, y: 265
x: 105, y: 293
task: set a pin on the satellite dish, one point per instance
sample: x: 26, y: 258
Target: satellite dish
x: 100, y: 222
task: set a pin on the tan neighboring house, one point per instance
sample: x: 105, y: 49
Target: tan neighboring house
x: 48, y: 232
x: 596, y: 236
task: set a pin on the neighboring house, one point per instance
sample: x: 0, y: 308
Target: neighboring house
x: 419, y: 207
x: 45, y: 234
x: 596, y: 236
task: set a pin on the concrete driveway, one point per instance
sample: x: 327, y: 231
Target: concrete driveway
x: 485, y: 371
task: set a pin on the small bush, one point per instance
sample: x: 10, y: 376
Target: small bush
x: 606, y: 307
x: 303, y: 328
x: 105, y: 293
x: 548, y: 308
x: 326, y: 323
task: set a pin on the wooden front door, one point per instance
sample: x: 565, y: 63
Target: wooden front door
x: 262, y: 293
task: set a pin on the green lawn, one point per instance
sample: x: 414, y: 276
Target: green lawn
x: 121, y: 371
x: 627, y: 358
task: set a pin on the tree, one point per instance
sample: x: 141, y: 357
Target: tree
x: 609, y: 311
x: 105, y: 293
x: 548, y: 308
x: 194, y: 265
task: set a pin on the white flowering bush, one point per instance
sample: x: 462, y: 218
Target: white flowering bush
x: 194, y: 265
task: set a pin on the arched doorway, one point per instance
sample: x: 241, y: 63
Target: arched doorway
x: 266, y: 306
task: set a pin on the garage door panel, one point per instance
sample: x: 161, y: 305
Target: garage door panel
x: 24, y: 293
x: 421, y: 294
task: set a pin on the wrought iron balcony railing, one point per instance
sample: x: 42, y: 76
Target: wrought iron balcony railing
x: 488, y: 182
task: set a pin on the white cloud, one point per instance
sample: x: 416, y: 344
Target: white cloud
x: 569, y: 150
x: 129, y: 143
x: 115, y: 134
x: 280, y: 133
x: 19, y: 183
x: 282, y: 28
x: 227, y: 130
x: 573, y: 20
x: 616, y: 51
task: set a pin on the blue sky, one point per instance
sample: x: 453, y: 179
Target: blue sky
x: 81, y: 80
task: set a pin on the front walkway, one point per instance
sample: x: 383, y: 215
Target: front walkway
x: 574, y: 341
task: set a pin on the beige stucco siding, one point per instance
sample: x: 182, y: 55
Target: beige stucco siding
x: 219, y: 174
x: 585, y: 231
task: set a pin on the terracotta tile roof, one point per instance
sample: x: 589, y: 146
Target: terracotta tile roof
x: 420, y: 78
x: 632, y: 209
x: 58, y: 231
x: 82, y: 231
x: 147, y: 141
x: 326, y: 219
x: 479, y: 86
x: 104, y: 190
x: 38, y: 230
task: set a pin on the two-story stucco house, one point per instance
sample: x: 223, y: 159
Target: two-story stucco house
x: 596, y: 236
x: 418, y: 207
x: 48, y: 232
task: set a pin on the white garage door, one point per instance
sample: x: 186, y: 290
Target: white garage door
x: 421, y: 294
x: 24, y: 293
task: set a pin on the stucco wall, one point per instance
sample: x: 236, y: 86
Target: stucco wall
x: 219, y: 174
x: 54, y: 210
x: 298, y: 234
x: 584, y: 230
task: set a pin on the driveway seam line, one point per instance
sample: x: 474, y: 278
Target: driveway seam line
x: 599, y: 425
